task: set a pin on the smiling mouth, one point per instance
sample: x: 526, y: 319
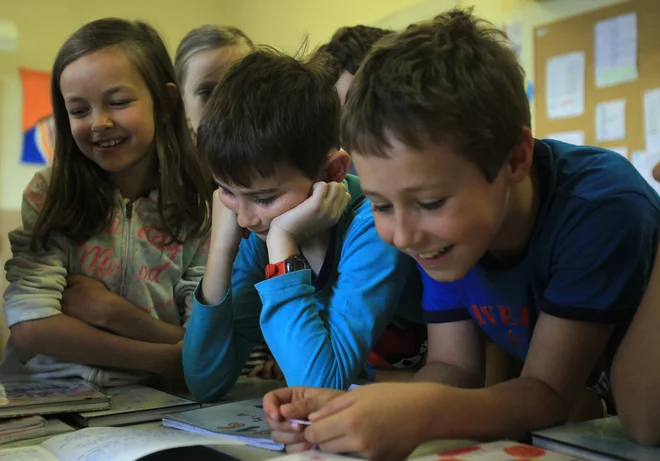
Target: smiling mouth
x: 109, y: 143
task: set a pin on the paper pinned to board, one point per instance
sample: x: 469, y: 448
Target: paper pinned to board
x: 8, y: 36
x: 570, y: 137
x: 616, y: 50
x: 611, y: 120
x: 645, y: 162
x: 565, y: 85
x: 652, y: 119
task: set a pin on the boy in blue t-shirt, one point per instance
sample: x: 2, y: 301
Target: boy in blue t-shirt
x: 543, y: 246
x: 312, y: 277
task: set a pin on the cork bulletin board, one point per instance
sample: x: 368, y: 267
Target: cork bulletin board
x: 577, y: 34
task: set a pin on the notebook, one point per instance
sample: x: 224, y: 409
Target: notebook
x: 46, y: 427
x: 134, y: 404
x: 241, y: 421
x: 598, y: 440
x: 40, y: 397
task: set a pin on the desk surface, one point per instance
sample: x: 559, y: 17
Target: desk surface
x: 249, y: 388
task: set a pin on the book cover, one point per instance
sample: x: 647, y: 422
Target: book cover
x: 242, y: 421
x: 599, y: 439
x: 30, y: 397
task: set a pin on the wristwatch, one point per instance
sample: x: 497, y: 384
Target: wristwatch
x: 290, y: 264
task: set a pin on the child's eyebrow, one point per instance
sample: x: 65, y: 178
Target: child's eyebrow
x: 260, y: 191
x: 116, y: 89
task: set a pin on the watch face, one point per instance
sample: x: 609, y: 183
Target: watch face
x: 297, y: 263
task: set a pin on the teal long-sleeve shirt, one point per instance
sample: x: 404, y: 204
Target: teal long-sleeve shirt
x: 319, y: 336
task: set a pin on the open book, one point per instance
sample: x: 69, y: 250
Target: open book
x: 109, y: 444
x: 242, y: 421
x: 40, y: 397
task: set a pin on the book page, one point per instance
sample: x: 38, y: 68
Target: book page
x: 123, y: 444
x: 26, y: 454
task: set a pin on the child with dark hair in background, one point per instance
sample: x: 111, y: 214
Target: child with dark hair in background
x: 201, y: 60
x: 294, y: 253
x: 516, y: 238
x: 113, y: 240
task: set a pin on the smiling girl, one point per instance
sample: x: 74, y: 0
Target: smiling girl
x: 113, y: 236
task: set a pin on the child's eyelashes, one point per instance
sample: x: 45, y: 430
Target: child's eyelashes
x: 434, y: 205
x: 121, y: 103
x: 265, y: 201
x: 204, y: 93
x: 381, y: 208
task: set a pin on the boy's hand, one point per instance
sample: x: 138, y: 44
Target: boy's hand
x: 225, y: 231
x: 318, y: 213
x: 368, y: 421
x: 87, y: 299
x: 172, y: 369
x: 298, y: 403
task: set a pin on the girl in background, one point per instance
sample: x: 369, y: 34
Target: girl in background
x: 113, y: 241
x: 201, y: 60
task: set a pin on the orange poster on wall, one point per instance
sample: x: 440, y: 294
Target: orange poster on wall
x: 38, y: 126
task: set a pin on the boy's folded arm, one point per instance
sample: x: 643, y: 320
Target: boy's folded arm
x: 558, y: 365
x: 218, y: 338
x: 635, y: 374
x: 328, y: 347
x: 72, y: 340
x: 455, y: 355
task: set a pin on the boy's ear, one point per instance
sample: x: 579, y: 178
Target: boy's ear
x: 522, y: 155
x: 336, y: 166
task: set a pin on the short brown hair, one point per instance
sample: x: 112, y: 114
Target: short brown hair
x: 206, y: 37
x: 452, y: 81
x: 81, y: 195
x: 269, y: 110
x: 349, y: 46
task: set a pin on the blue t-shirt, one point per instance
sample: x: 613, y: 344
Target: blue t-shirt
x: 589, y: 257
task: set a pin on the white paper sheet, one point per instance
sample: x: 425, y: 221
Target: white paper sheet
x: 8, y: 36
x: 645, y: 162
x: 616, y: 50
x: 565, y: 85
x: 611, y: 120
x: 652, y: 119
x: 514, y: 31
x: 571, y: 137
x: 622, y: 150
x: 26, y: 454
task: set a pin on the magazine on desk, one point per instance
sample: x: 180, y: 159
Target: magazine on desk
x: 241, y: 421
x: 602, y: 439
x: 42, y: 397
x: 134, y: 404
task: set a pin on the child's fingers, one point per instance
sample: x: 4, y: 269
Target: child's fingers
x: 274, y: 399
x: 256, y: 371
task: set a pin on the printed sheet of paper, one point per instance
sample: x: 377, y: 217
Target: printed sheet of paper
x: 644, y: 162
x: 570, y: 137
x: 611, y: 120
x: 652, y: 119
x: 616, y: 50
x: 565, y: 85
x: 514, y: 31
